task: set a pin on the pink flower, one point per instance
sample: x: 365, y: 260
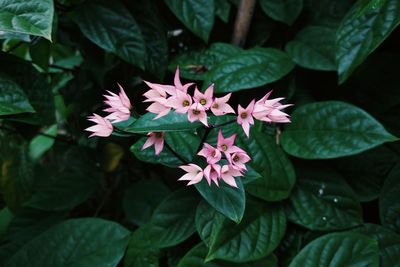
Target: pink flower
x: 245, y: 117
x: 181, y: 102
x: 194, y: 174
x: 119, y: 106
x: 156, y: 139
x: 270, y: 110
x: 228, y: 175
x: 102, y: 128
x: 220, y: 107
x: 158, y: 91
x: 211, y: 154
x: 160, y: 108
x: 212, y: 172
x: 197, y: 112
x: 205, y: 99
x: 178, y: 84
x: 226, y: 144
x: 238, y: 160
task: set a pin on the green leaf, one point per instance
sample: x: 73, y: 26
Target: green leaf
x: 326, y: 12
x: 389, y: 203
x: 112, y: 27
x: 285, y: 11
x: 139, y: 255
x: 6, y: 216
x: 148, y: 155
x: 40, y: 53
x: 40, y: 144
x: 197, y: 16
x: 332, y: 129
x: 389, y: 243
x: 76, y: 242
x: 313, y: 48
x: 363, y: 29
x: 323, y: 201
x: 27, y: 16
x: 208, y: 221
x: 34, y: 86
x: 171, y: 122
x: 141, y: 199
x: 195, y: 64
x: 13, y: 100
x: 222, y: 9
x: 269, y: 160
x: 230, y: 201
x: 337, y: 250
x: 183, y: 143
x: 248, y: 69
x: 257, y: 235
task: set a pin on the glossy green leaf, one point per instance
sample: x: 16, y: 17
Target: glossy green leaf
x: 282, y: 10
x: 171, y: 122
x: 222, y: 9
x: 326, y: 12
x: 197, y: 16
x: 230, y: 201
x: 332, y: 129
x: 195, y: 64
x: 248, y: 69
x: 40, y: 53
x: 337, y: 250
x: 313, y: 48
x: 166, y: 157
x: 76, y: 242
x: 389, y: 202
x: 388, y: 241
x: 290, y: 245
x: 323, y: 201
x: 208, y: 221
x: 27, y: 17
x: 112, y: 27
x: 269, y: 160
x: 363, y: 29
x: 13, y: 100
x: 256, y: 236
x: 42, y: 143
x: 183, y: 143
x: 141, y: 199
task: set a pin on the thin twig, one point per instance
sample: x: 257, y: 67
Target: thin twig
x: 242, y: 22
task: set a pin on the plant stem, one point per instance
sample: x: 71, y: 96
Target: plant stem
x: 242, y: 22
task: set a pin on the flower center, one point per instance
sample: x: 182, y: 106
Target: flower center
x: 158, y: 135
x: 215, y: 106
x: 185, y: 103
x: 236, y: 158
x: 196, y: 112
x: 224, y: 147
x: 203, y: 101
x: 213, y: 153
x: 243, y: 115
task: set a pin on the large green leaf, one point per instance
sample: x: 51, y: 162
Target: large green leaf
x: 248, y: 69
x: 257, y: 235
x: 13, y: 100
x: 76, y: 242
x: 282, y: 10
x: 230, y: 201
x: 389, y: 202
x: 313, y: 48
x: 363, y: 29
x: 332, y: 129
x: 183, y: 143
x: 112, y: 27
x: 323, y: 201
x: 171, y: 122
x: 389, y: 243
x: 339, y: 250
x: 141, y: 199
x: 27, y: 16
x: 139, y: 252
x: 195, y: 64
x: 269, y: 160
x: 208, y: 221
x: 196, y: 15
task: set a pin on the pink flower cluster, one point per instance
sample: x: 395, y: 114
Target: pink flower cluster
x: 234, y: 166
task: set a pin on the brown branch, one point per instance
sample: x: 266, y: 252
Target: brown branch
x: 242, y: 22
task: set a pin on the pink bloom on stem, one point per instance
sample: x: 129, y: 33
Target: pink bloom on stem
x: 102, y: 128
x: 156, y: 139
x: 238, y: 160
x: 197, y: 112
x: 245, y: 117
x: 205, y: 99
x: 220, y: 107
x: 160, y: 108
x: 211, y: 154
x: 181, y: 102
x: 226, y: 144
x: 194, y: 174
x: 228, y: 175
x: 178, y: 83
x: 119, y: 106
x: 270, y: 110
x: 212, y: 172
x: 158, y: 90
